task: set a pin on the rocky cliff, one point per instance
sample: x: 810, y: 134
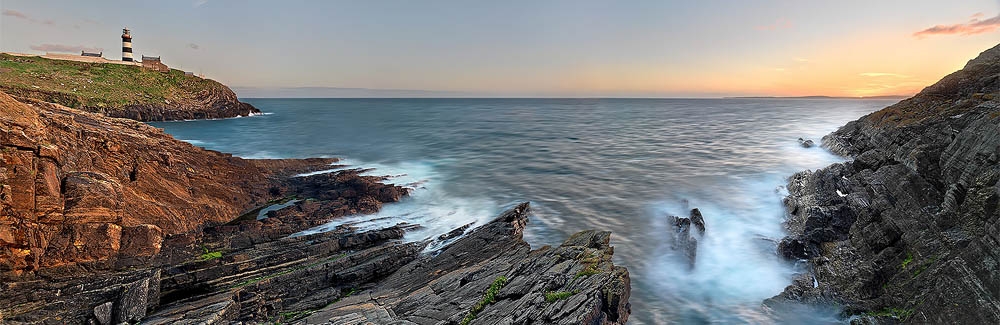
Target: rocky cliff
x: 491, y: 276
x: 84, y: 195
x: 107, y: 220
x: 119, y: 90
x: 909, y: 230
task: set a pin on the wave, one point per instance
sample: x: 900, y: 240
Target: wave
x: 737, y: 266
x: 428, y: 205
x: 199, y: 143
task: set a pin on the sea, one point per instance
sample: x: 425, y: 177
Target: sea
x: 623, y: 165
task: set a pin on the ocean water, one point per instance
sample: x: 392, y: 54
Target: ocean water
x: 622, y: 165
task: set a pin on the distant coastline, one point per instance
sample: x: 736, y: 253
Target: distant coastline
x: 899, y: 97
x: 347, y: 92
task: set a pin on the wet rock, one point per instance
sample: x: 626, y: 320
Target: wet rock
x: 682, y: 240
x: 806, y: 143
x: 698, y: 221
x: 796, y: 248
x: 575, y: 283
x: 907, y: 230
x: 455, y: 232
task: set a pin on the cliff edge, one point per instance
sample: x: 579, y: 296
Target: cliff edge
x: 909, y: 230
x: 117, y: 90
x: 108, y: 221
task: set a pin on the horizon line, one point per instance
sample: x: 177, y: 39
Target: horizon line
x: 596, y: 97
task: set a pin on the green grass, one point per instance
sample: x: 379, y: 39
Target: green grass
x: 210, y: 256
x: 909, y: 258
x: 588, y: 271
x: 207, y: 255
x: 488, y: 298
x: 551, y: 297
x: 96, y: 86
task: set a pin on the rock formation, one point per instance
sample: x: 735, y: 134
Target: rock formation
x: 83, y: 196
x: 491, y: 276
x: 108, y: 221
x: 909, y: 229
x: 682, y: 240
x: 806, y: 143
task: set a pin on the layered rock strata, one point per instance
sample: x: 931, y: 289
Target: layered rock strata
x: 109, y: 221
x: 909, y: 230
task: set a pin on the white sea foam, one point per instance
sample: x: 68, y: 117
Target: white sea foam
x: 428, y: 205
x: 736, y: 266
x: 262, y: 155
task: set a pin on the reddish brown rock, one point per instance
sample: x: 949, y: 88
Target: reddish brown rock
x: 80, y: 187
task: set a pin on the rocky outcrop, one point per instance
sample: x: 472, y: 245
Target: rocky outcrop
x: 908, y: 230
x: 95, y: 205
x: 80, y: 187
x: 682, y: 240
x: 491, y: 276
x: 109, y: 221
x: 213, y: 103
x: 343, y: 277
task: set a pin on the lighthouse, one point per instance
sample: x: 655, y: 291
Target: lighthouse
x: 126, y: 45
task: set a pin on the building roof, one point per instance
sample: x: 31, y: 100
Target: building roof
x: 96, y: 55
x: 150, y: 58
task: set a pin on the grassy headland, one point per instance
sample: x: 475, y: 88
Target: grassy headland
x: 102, y: 87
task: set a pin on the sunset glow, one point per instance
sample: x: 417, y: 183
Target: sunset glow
x: 551, y: 49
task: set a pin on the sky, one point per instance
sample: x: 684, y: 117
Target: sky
x: 517, y: 48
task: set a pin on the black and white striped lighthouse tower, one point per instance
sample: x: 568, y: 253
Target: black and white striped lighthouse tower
x: 126, y: 45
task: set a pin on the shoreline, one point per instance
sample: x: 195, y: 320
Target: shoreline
x: 884, y: 235
x: 220, y: 268
x: 902, y: 233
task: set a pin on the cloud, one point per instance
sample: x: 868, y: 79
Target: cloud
x: 21, y: 15
x: 199, y: 3
x: 975, y: 25
x: 15, y: 13
x: 883, y: 74
x: 193, y: 46
x: 800, y: 59
x: 65, y: 48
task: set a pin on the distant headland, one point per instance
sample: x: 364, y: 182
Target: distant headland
x: 897, y: 97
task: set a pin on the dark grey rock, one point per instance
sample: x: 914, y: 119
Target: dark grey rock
x: 698, y: 221
x: 103, y: 313
x: 909, y: 229
x: 682, y: 240
x: 575, y: 283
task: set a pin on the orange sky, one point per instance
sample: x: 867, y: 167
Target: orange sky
x: 577, y: 48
